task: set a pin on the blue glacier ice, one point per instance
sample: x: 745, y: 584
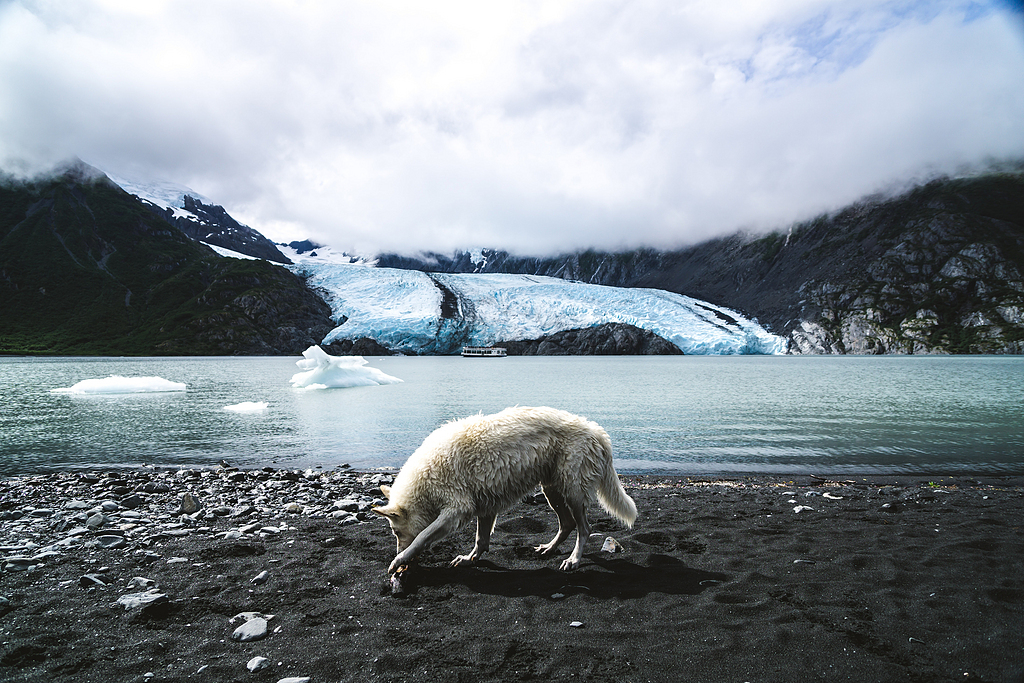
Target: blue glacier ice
x: 434, y: 313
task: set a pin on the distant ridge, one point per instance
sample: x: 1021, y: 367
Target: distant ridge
x: 937, y: 269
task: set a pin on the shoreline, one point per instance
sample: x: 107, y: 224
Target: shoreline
x: 876, y: 577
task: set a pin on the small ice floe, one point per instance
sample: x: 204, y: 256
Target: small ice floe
x: 247, y: 407
x: 115, y: 384
x: 323, y: 371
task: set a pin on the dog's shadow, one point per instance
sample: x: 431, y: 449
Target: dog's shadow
x: 604, y: 578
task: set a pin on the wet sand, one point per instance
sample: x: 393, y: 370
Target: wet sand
x: 874, y: 579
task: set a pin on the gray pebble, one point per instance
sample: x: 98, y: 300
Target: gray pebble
x: 133, y: 502
x: 189, y: 504
x: 17, y: 563
x: 611, y: 546
x: 111, y: 541
x: 253, y: 629
x: 135, y: 600
x: 257, y: 664
x: 91, y: 581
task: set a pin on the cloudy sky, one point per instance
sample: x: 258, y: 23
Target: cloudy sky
x: 535, y: 126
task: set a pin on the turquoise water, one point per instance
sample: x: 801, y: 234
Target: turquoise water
x: 687, y: 415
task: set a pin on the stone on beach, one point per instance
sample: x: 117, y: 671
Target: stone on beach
x: 611, y: 546
x: 111, y: 541
x: 92, y: 581
x: 135, y: 600
x: 253, y: 629
x: 257, y: 664
x: 189, y: 504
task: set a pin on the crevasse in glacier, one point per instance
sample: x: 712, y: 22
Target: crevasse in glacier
x: 435, y: 313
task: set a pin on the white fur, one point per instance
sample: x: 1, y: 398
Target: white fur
x: 480, y: 466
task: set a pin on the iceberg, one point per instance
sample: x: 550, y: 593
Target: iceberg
x: 115, y: 384
x: 438, y: 313
x: 323, y: 371
x: 247, y: 407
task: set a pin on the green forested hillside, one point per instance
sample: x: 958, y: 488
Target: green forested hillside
x: 86, y: 268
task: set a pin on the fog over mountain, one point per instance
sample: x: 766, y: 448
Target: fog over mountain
x: 538, y: 128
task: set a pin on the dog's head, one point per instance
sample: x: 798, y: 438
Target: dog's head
x: 404, y: 525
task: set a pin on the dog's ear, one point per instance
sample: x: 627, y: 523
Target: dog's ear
x: 389, y: 512
x: 386, y: 490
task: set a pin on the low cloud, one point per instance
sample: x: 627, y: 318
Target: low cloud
x: 530, y: 126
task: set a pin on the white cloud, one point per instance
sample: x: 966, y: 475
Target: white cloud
x: 534, y: 126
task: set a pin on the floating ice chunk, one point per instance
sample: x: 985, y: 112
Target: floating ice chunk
x: 115, y: 384
x: 322, y: 371
x: 248, y: 407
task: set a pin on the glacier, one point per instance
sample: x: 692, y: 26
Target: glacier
x: 437, y: 313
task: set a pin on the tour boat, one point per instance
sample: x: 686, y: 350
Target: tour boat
x: 483, y: 352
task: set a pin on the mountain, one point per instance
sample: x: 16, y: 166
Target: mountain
x: 438, y: 313
x: 86, y: 268
x: 934, y: 270
x: 201, y: 220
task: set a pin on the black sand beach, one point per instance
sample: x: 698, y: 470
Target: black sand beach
x: 874, y: 579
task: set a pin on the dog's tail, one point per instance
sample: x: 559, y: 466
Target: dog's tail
x: 610, y: 493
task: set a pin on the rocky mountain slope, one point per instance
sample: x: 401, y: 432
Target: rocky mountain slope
x: 609, y: 339
x: 212, y: 224
x: 86, y: 268
x: 935, y: 270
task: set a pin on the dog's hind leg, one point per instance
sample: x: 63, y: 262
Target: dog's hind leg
x: 484, y: 527
x: 579, y: 513
x: 566, y: 521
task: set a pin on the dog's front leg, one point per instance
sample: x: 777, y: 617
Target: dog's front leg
x: 484, y: 527
x: 447, y: 522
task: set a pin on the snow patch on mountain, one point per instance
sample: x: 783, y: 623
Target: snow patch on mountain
x: 165, y: 194
x: 416, y: 312
x: 228, y: 253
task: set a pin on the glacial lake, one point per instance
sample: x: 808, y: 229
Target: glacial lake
x: 702, y: 415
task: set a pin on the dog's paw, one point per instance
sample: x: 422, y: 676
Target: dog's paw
x: 543, y: 550
x: 463, y: 559
x: 570, y: 565
x: 399, y: 561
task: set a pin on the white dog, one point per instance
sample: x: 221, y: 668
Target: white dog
x: 480, y: 466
